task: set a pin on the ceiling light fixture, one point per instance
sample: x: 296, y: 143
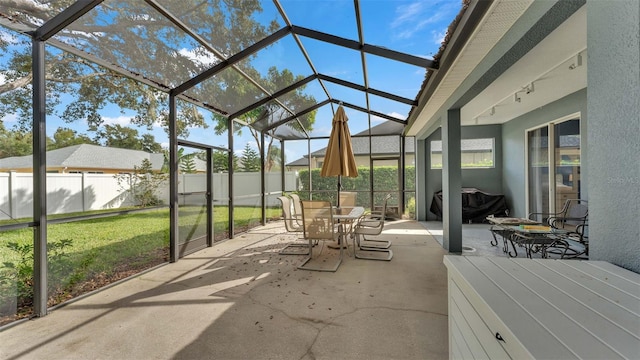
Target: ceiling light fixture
x: 577, y: 62
x: 529, y: 89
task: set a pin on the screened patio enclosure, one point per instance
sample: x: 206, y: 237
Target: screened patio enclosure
x: 204, y: 78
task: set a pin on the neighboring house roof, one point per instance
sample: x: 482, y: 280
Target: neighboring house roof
x: 304, y: 161
x: 88, y: 156
x: 382, y: 145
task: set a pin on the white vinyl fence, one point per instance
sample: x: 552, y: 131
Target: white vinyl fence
x: 67, y: 193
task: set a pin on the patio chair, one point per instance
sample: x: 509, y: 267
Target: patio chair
x: 374, y: 219
x: 291, y: 225
x: 297, y: 208
x: 318, y: 225
x: 371, y: 224
x: 575, y: 245
x: 348, y: 199
x: 573, y: 218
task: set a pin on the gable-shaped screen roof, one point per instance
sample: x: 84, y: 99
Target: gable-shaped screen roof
x: 227, y: 56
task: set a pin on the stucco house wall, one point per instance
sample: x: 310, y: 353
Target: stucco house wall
x: 613, y: 38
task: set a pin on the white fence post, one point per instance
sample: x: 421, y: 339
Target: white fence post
x: 83, y: 187
x: 13, y: 181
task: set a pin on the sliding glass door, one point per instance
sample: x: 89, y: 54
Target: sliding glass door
x: 566, y: 162
x: 538, y: 169
x: 555, y: 146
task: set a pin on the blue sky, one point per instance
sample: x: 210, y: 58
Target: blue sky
x: 414, y: 27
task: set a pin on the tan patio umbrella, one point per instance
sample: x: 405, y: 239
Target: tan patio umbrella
x: 339, y: 160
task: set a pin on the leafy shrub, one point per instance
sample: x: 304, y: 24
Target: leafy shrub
x: 411, y: 207
x: 17, y: 277
x: 143, y: 184
x: 325, y: 188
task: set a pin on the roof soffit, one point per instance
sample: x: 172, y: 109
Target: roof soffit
x: 497, y: 21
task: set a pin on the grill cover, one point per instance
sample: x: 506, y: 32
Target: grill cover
x: 476, y: 205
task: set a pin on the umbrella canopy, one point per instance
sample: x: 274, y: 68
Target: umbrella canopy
x: 339, y: 159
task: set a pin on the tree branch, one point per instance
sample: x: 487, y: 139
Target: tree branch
x: 16, y: 84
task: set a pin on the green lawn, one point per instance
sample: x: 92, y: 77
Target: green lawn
x: 102, y: 250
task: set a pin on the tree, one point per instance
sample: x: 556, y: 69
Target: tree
x: 149, y: 144
x: 64, y: 137
x: 272, y: 112
x: 273, y: 158
x: 187, y: 164
x: 221, y: 161
x: 250, y: 159
x: 126, y: 138
x: 122, y: 36
x: 14, y: 142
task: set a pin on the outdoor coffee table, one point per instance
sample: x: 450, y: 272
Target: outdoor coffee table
x: 498, y: 228
x: 533, y: 238
x: 528, y: 234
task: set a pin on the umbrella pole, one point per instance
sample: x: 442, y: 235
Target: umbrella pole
x: 339, y: 176
x: 339, y: 187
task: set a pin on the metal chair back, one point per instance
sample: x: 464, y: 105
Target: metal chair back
x: 297, y: 206
x: 289, y: 221
x: 317, y: 220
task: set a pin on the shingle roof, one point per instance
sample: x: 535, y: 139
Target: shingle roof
x: 381, y: 145
x: 90, y: 157
x: 303, y: 161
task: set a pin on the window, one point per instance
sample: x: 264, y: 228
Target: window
x: 475, y: 153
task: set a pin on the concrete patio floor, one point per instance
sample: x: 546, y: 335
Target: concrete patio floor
x: 240, y: 299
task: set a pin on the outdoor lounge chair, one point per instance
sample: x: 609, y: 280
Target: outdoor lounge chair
x: 319, y: 225
x: 371, y: 224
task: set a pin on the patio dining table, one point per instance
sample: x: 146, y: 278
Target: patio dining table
x: 528, y: 234
x: 345, y: 217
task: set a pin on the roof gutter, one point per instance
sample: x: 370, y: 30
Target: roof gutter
x: 471, y: 18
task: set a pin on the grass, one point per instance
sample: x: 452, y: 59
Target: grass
x: 107, y: 249
x: 136, y: 232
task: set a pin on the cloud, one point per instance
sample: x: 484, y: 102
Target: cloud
x: 397, y: 115
x: 10, y: 118
x: 414, y: 17
x: 322, y: 131
x: 199, y: 55
x: 438, y: 37
x: 8, y: 38
x: 405, y: 13
x: 120, y: 120
x: 377, y: 120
